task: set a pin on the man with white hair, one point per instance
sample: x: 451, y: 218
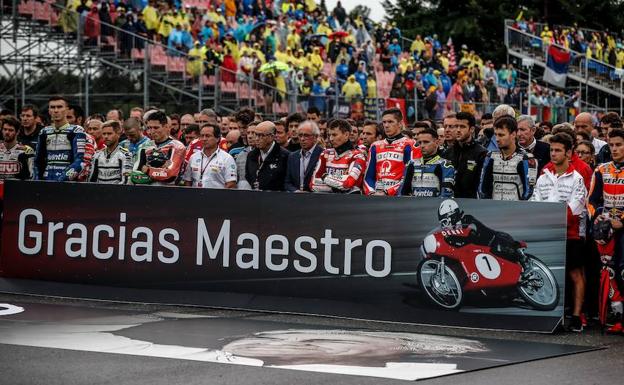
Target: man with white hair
x: 301, y: 163
x: 585, y: 122
x: 503, y: 109
x: 526, y: 139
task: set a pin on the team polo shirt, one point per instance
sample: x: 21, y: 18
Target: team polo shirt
x: 212, y: 171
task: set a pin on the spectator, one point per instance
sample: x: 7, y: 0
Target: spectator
x: 293, y: 121
x: 115, y: 114
x: 191, y: 133
x: 351, y: 89
x: 301, y: 163
x: 16, y: 158
x: 585, y: 151
x: 267, y: 163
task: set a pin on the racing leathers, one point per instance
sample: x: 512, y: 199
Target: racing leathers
x: 386, y: 164
x: 90, y: 148
x: 431, y: 176
x: 164, y: 161
x: 339, y: 170
x: 135, y: 148
x: 500, y: 242
x: 15, y: 163
x: 112, y: 167
x: 508, y: 179
x: 606, y: 200
x: 60, y: 153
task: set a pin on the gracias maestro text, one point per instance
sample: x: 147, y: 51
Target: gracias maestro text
x: 276, y: 246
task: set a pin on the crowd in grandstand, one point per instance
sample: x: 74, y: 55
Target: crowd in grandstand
x: 501, y: 157
x: 300, y: 48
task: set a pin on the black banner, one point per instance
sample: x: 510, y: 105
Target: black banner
x: 343, y: 255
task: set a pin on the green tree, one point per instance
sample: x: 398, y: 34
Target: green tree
x: 479, y: 24
x: 360, y: 10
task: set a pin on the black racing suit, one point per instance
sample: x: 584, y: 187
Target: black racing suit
x: 500, y: 242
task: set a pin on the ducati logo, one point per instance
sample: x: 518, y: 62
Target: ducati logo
x: 385, y: 168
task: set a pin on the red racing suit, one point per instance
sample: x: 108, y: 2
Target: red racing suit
x: 165, y: 161
x: 386, y: 164
x: 339, y: 170
x: 606, y: 196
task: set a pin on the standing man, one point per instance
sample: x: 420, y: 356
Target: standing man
x: 431, y: 175
x: 136, y: 140
x: 163, y: 163
x: 371, y: 132
x: 467, y: 157
x: 293, y: 121
x: 387, y: 158
x: 112, y: 164
x: 341, y: 168
x: 585, y: 122
x: 16, y: 159
x: 560, y: 182
x: 29, y: 134
x: 301, y: 163
x: 450, y: 132
x: 606, y: 206
x: 211, y: 167
x: 528, y: 142
x: 510, y: 173
x: 115, y: 114
x: 61, y: 146
x: 266, y: 164
x: 94, y: 128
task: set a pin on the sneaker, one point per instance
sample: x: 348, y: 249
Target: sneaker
x: 617, y: 328
x: 583, y: 320
x: 576, y: 325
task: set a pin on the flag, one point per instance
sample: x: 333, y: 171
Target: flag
x: 556, y: 66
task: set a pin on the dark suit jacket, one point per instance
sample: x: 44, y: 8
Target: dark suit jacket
x: 541, y: 152
x: 271, y: 174
x: 293, y: 181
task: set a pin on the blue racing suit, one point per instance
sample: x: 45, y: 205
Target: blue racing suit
x: 60, y: 153
x: 429, y: 177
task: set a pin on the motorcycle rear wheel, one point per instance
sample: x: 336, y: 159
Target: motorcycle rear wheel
x: 444, y: 291
x: 538, y: 287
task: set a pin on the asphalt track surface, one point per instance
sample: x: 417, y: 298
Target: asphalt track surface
x: 37, y: 365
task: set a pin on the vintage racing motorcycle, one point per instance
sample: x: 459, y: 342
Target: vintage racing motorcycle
x: 453, y: 265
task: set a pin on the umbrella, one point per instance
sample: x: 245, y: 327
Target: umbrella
x: 274, y: 66
x: 338, y: 34
x: 603, y: 296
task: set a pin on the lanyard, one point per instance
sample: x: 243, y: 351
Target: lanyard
x: 203, y: 168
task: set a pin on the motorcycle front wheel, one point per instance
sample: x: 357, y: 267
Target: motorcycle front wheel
x: 440, y: 283
x: 538, y: 286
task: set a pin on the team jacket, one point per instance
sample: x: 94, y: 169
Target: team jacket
x: 386, y: 164
x: 165, y: 161
x: 60, y: 153
x: 433, y: 177
x: 568, y: 187
x: 15, y: 163
x: 339, y: 170
x: 111, y: 168
x: 607, y: 189
x: 508, y: 179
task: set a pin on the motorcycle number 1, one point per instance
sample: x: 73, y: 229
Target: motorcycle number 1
x: 488, y: 266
